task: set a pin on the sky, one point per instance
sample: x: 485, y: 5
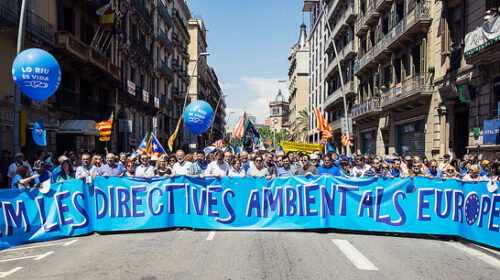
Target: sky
x: 249, y: 42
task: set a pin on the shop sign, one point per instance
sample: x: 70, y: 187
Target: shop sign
x: 131, y: 88
x: 145, y: 96
x: 491, y: 132
x: 483, y: 36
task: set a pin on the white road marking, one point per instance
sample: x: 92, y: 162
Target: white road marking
x: 476, y: 253
x: 7, y: 273
x: 355, y: 256
x: 41, y: 245
x: 69, y: 242
x: 211, y: 235
x: 35, y: 257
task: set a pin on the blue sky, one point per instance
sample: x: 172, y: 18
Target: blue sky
x: 249, y: 42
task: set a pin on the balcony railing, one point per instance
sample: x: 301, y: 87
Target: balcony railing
x: 419, y: 13
x: 337, y: 94
x: 85, y: 53
x: 164, y: 12
x: 163, y: 37
x: 163, y: 68
x: 35, y: 25
x: 419, y: 84
x: 139, y: 7
x: 181, y: 22
x: 336, y: 124
x: 371, y: 105
x: 343, y: 24
x: 166, y: 102
x: 142, y: 50
x: 67, y: 98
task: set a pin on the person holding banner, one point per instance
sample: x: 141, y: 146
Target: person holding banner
x: 258, y: 169
x: 145, y: 170
x: 199, y: 167
x: 22, y: 178
x: 181, y: 167
x: 162, y: 170
x: 237, y: 170
x: 219, y: 167
x: 286, y: 170
x: 110, y: 169
x: 360, y: 169
x: 129, y: 169
x: 39, y: 167
x: 18, y: 161
x: 66, y: 173
x: 86, y: 171
x: 328, y: 168
x: 307, y: 168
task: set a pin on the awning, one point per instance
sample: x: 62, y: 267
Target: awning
x: 78, y: 127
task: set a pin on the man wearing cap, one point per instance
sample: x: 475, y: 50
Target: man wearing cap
x: 18, y: 161
x: 39, y: 167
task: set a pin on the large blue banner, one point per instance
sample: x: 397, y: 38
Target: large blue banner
x: 385, y: 205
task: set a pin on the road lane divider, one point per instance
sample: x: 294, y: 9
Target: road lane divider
x: 355, y: 256
x: 7, y: 273
x: 35, y: 257
x: 211, y: 235
x: 65, y: 244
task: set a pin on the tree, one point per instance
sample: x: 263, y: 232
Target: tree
x: 302, y: 126
x: 267, y: 133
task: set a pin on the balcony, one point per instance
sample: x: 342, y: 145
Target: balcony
x: 175, y: 65
x: 164, y: 40
x: 164, y: 12
x: 336, y: 96
x: 382, y: 5
x: 85, y: 53
x: 142, y: 51
x: 67, y: 99
x: 399, y: 36
x: 175, y: 38
x: 345, y: 54
x: 342, y: 25
x: 363, y: 21
x: 167, y: 103
x: 367, y: 108
x: 35, y: 25
x: 178, y: 17
x: 336, y: 125
x: 141, y: 10
x: 165, y: 70
x: 408, y: 91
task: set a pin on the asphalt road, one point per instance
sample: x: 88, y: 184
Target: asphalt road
x: 187, y: 254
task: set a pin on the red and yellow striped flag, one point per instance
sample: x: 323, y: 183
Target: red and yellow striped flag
x: 239, y: 129
x: 172, y: 138
x: 346, y: 141
x: 322, y: 123
x: 104, y: 128
x: 326, y: 134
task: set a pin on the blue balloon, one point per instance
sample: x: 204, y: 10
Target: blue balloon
x: 36, y: 73
x: 198, y: 116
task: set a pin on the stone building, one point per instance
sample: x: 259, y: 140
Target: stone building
x: 279, y: 113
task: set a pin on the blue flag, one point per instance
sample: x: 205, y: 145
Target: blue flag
x: 142, y: 149
x: 330, y: 148
x: 39, y: 133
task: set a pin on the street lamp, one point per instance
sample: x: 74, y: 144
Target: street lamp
x: 309, y: 7
x: 17, y: 93
x: 215, y: 115
x: 191, y: 79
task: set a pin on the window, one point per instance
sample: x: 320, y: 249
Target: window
x: 68, y: 20
x: 415, y: 57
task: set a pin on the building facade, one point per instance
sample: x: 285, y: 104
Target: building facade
x: 298, y: 76
x: 279, y: 113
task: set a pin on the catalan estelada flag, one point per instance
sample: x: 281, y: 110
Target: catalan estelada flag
x: 156, y: 148
x: 172, y: 138
x: 239, y: 129
x: 143, y: 147
x: 322, y: 123
x: 104, y: 128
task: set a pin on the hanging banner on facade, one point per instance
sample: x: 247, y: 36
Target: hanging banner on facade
x: 289, y: 146
x: 483, y: 36
x: 491, y: 132
x: 420, y: 206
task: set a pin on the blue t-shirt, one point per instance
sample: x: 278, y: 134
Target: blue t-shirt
x: 395, y: 172
x: 43, y: 177
x: 15, y: 180
x: 436, y: 174
x: 332, y: 171
x: 246, y: 166
x: 282, y: 172
x: 54, y: 173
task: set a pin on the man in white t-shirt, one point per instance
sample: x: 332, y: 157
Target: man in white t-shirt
x: 181, y: 167
x: 360, y: 168
x: 218, y: 167
x: 18, y: 161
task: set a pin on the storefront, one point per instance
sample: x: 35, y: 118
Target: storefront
x: 411, y: 138
x: 369, y: 142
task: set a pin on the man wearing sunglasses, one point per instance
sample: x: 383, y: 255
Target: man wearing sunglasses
x: 181, y: 167
x: 145, y: 170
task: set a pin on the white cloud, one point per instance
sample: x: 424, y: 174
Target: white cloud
x: 226, y: 86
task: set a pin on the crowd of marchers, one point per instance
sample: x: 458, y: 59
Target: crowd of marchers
x: 18, y: 173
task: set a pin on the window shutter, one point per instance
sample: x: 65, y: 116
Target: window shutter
x: 445, y: 33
